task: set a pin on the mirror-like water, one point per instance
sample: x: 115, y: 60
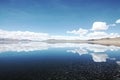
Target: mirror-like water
x: 61, y: 61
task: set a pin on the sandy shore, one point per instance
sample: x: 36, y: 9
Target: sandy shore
x: 104, y: 41
x: 109, y: 41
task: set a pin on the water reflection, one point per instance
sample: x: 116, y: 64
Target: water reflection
x: 118, y: 62
x: 99, y: 57
x: 32, y: 46
x: 18, y: 47
x: 79, y: 51
x: 97, y: 52
x: 73, y: 62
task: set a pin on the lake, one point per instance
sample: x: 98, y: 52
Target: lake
x: 60, y: 61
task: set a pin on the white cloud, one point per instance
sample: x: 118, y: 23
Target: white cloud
x: 57, y: 37
x: 80, y: 31
x: 113, y: 35
x: 44, y: 36
x: 97, y: 35
x: 34, y: 36
x: 117, y: 21
x: 23, y: 35
x: 100, y: 26
x: 99, y: 57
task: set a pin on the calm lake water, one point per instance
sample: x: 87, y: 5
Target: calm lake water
x: 61, y: 61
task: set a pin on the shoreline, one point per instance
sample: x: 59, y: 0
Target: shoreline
x: 104, y: 41
x: 107, y: 43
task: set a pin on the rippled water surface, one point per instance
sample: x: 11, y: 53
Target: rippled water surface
x: 61, y: 61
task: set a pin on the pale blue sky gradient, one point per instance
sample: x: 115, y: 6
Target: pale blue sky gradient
x: 57, y: 16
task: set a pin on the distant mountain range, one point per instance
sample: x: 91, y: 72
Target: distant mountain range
x: 64, y: 41
x: 103, y: 41
x: 8, y: 40
x: 106, y: 41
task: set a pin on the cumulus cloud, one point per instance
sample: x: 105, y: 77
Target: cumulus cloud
x: 99, y: 57
x: 33, y: 35
x: 97, y: 35
x: 57, y: 37
x: 113, y: 35
x: 99, y: 26
x: 117, y: 21
x: 97, y: 31
x: 79, y: 31
x: 84, y: 34
x: 23, y: 35
x: 101, y: 34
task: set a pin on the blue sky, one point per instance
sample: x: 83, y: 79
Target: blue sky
x: 57, y: 16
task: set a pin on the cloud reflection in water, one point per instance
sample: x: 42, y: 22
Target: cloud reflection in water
x: 99, y: 57
x: 18, y: 47
x: 97, y: 51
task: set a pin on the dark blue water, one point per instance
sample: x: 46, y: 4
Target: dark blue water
x: 59, y: 62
